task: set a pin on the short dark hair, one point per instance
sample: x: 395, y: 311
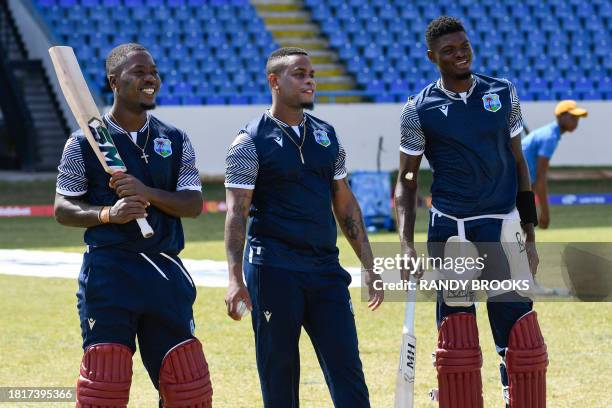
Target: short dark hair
x: 273, y: 65
x: 441, y: 26
x: 118, y: 55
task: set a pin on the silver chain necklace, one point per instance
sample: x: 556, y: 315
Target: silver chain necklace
x: 299, y: 146
x: 144, y: 156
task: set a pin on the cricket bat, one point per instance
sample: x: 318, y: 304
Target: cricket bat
x: 88, y: 116
x: 404, y: 384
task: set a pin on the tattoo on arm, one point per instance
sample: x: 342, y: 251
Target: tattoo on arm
x: 351, y: 227
x: 354, y: 230
x: 235, y: 226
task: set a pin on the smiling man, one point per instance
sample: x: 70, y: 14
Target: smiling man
x: 285, y: 174
x: 467, y: 126
x: 129, y: 286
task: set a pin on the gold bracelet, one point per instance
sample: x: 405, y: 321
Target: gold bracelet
x: 104, y: 215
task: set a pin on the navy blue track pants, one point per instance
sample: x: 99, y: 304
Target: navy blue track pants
x: 284, y: 301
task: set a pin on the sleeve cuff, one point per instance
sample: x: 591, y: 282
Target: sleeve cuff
x: 193, y: 188
x: 70, y: 193
x: 516, y: 132
x: 244, y: 186
x: 411, y: 152
x: 340, y: 176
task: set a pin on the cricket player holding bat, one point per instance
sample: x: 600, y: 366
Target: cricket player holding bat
x: 129, y: 285
x: 467, y: 126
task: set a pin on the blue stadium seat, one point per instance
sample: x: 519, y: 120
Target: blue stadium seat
x: 451, y: 9
x: 192, y: 100
x: 214, y: 100
x: 554, y: 48
x: 375, y: 86
x: 538, y: 85
x: 547, y: 95
x: 563, y: 62
x: 387, y: 12
x: 408, y: 11
x: 384, y: 98
x: 583, y: 85
x: 541, y: 9
x: 605, y: 9
x: 236, y: 99
x: 261, y: 99
x: 361, y: 38
x: 561, y: 85
x: 168, y: 100
x: 605, y: 85
x: 372, y: 51
x: 592, y: 95
x: 584, y: 9
x: 568, y: 94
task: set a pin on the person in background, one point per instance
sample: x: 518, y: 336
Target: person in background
x: 539, y: 147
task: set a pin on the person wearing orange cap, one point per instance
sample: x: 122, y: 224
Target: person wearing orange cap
x: 539, y: 146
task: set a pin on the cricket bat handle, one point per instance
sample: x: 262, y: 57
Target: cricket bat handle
x: 145, y: 228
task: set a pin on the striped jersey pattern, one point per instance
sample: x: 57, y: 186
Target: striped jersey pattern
x: 340, y: 164
x: 189, y: 176
x: 412, y: 139
x: 241, y: 163
x: 72, y: 180
x: 516, y: 117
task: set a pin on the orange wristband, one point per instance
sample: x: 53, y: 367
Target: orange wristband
x: 104, y: 215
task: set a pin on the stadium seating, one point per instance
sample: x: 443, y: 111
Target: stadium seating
x: 213, y: 51
x: 551, y: 49
x: 208, y: 51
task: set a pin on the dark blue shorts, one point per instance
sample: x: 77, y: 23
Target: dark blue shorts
x: 123, y: 295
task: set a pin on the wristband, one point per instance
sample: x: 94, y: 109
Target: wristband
x: 525, y: 204
x: 104, y: 215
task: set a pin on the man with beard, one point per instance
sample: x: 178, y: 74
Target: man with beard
x: 130, y: 286
x: 467, y: 125
x: 285, y: 173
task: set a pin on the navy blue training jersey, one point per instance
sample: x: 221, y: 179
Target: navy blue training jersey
x: 170, y: 167
x: 292, y: 225
x: 466, y: 139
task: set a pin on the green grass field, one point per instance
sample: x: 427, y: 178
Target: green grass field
x: 40, y: 340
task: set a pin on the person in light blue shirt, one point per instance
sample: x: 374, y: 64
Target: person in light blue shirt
x: 539, y: 147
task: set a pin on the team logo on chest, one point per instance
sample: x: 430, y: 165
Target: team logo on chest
x: 321, y: 137
x: 162, y: 146
x: 491, y: 102
x: 279, y: 139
